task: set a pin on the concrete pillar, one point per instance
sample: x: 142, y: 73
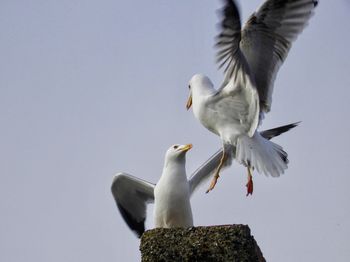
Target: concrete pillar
x: 213, y: 243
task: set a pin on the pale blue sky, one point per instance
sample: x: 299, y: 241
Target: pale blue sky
x: 90, y: 88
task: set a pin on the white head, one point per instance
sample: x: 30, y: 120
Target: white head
x: 199, y: 84
x: 176, y: 153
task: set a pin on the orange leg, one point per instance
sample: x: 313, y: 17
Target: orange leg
x: 216, y: 175
x: 249, y: 185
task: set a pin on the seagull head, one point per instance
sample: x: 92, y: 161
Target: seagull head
x: 198, y: 85
x: 177, y: 152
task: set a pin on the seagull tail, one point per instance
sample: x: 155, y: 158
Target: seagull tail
x: 261, y: 154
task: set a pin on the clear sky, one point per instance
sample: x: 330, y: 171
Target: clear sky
x: 91, y: 88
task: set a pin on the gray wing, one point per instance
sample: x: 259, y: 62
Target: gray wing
x: 131, y: 195
x: 228, y: 41
x: 208, y: 167
x: 238, y: 88
x: 261, y: 47
x: 267, y: 38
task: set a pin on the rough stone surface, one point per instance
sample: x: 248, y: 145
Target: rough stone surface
x: 214, y: 243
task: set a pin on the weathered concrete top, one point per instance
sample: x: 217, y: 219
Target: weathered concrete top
x: 214, y: 243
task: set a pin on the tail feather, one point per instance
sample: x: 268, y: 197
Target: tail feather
x: 261, y: 154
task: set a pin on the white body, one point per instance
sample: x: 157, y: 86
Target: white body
x: 226, y: 116
x: 172, y: 206
x: 233, y: 114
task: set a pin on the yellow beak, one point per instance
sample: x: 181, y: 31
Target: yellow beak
x: 187, y: 147
x: 189, y: 102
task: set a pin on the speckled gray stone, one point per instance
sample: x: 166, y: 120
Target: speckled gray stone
x: 214, y: 243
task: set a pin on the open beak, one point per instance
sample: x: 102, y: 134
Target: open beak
x: 189, y: 102
x: 185, y: 148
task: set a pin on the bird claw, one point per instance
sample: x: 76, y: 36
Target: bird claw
x: 216, y: 176
x: 249, y: 186
x: 213, y: 183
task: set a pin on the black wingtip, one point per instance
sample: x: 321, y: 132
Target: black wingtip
x: 284, y: 156
x: 137, y: 227
x: 271, y: 133
x: 229, y: 9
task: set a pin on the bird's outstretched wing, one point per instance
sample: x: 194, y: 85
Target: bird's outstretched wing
x: 264, y: 42
x: 229, y: 54
x: 238, y: 89
x: 267, y: 38
x: 131, y: 195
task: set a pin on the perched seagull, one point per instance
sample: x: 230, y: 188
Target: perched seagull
x: 171, y: 195
x: 251, y: 56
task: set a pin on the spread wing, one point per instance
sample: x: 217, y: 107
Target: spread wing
x: 238, y: 88
x: 267, y: 38
x: 229, y: 54
x: 261, y: 47
x: 131, y: 195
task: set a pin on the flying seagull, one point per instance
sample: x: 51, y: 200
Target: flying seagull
x: 172, y: 193
x: 252, y: 57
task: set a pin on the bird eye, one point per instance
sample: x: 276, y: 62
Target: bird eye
x: 189, y: 86
x: 175, y: 147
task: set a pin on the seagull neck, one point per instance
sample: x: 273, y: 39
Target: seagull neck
x: 177, y: 167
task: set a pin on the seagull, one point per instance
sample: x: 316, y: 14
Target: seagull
x: 171, y: 195
x: 252, y: 57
